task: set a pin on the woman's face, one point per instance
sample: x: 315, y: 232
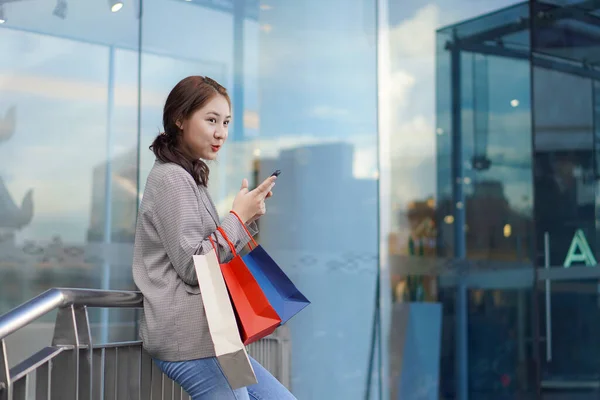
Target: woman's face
x: 205, y: 132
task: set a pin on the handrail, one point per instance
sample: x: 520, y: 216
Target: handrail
x: 87, y: 371
x: 56, y: 298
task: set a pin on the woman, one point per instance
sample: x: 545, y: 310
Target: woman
x: 176, y: 219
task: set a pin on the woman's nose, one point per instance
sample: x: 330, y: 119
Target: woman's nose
x: 220, y: 133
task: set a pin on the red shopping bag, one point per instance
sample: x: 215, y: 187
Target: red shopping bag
x: 256, y: 317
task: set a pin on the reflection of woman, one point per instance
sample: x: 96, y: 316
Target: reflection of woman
x: 176, y: 219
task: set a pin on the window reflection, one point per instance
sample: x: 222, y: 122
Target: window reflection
x: 495, y: 129
x: 303, y: 86
x: 565, y: 161
x: 461, y: 141
x: 68, y: 119
x: 500, y: 346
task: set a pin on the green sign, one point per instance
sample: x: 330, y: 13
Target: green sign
x: 579, y: 251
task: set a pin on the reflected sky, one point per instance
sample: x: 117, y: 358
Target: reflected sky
x: 309, y: 109
x: 299, y: 89
x: 412, y: 51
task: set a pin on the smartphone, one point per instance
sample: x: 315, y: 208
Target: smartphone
x: 276, y: 173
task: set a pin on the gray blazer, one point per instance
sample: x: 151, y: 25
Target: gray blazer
x: 175, y: 219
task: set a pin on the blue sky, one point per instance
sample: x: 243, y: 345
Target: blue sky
x: 310, y: 78
x: 309, y: 72
x: 413, y: 96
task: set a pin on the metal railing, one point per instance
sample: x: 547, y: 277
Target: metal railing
x: 72, y: 368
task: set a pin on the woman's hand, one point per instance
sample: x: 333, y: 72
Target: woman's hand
x: 250, y: 205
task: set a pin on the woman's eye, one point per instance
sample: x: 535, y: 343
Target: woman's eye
x: 226, y: 123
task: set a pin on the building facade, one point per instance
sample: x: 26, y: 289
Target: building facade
x: 494, y: 195
x: 438, y: 194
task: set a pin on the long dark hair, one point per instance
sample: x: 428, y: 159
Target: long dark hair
x: 188, y: 96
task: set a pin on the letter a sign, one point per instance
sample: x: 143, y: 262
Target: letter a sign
x: 579, y: 251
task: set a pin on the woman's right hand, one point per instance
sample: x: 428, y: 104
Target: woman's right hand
x: 248, y: 204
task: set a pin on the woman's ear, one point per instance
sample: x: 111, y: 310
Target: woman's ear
x: 179, y: 124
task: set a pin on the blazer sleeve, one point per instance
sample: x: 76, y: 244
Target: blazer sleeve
x: 237, y: 236
x: 184, y: 225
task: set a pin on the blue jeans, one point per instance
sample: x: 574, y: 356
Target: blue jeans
x: 203, y: 379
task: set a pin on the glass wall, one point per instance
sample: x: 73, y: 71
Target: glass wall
x: 460, y: 242
x: 81, y: 102
x: 494, y: 199
x: 68, y: 109
x: 303, y: 81
x: 565, y: 81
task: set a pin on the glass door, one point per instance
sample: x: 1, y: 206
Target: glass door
x: 569, y: 326
x: 567, y: 200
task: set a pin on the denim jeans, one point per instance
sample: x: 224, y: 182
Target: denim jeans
x: 203, y: 379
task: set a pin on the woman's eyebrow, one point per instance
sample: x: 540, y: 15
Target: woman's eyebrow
x: 217, y: 114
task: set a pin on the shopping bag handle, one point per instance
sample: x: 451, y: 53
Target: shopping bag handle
x: 215, y: 249
x: 231, y: 246
x: 246, y: 229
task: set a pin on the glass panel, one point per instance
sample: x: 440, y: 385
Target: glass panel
x: 171, y: 54
x: 571, y: 369
x: 495, y: 169
x: 566, y: 163
x: 496, y: 134
x: 461, y: 197
x: 501, y: 344
x: 302, y: 77
x: 499, y: 24
x: 318, y: 124
x: 568, y: 31
x: 485, y: 209
x: 68, y: 114
x: 566, y: 192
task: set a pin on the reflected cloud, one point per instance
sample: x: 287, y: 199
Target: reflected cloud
x: 77, y: 90
x: 415, y: 37
x: 328, y: 112
x: 329, y: 159
x: 400, y: 84
x: 413, y: 101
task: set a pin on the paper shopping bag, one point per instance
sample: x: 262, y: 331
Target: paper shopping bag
x: 229, y: 349
x: 281, y: 292
x: 257, y: 318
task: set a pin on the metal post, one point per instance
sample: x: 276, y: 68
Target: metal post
x: 375, y: 344
x: 5, y: 384
x: 238, y: 69
x: 522, y: 333
x: 107, y: 236
x: 548, y: 299
x: 72, y: 330
x: 462, y: 353
x: 140, y: 52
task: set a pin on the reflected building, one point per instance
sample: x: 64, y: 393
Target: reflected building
x: 13, y: 217
x: 122, y: 195
x: 86, y: 88
x: 321, y: 227
x: 493, y: 229
x: 517, y: 152
x: 318, y: 194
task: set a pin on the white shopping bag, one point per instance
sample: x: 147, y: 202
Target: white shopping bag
x: 230, y: 350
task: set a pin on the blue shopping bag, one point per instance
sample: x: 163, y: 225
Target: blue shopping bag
x: 281, y: 292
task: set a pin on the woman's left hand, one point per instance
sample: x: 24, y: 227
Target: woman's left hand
x: 263, y: 209
x: 260, y: 213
